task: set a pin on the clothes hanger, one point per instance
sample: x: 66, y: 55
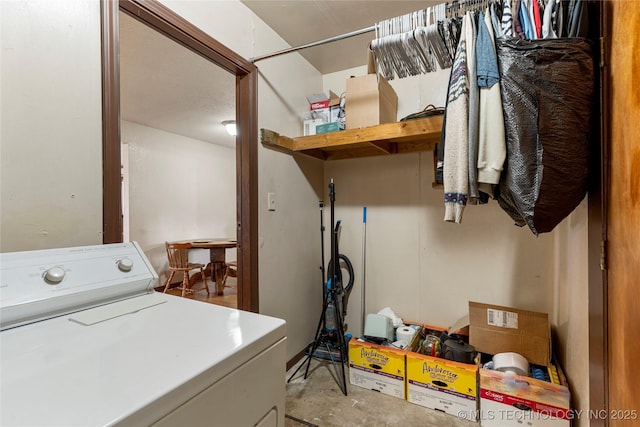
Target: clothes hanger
x: 446, y: 60
x: 432, y: 43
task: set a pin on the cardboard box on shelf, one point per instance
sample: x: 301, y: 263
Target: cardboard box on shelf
x: 323, y: 110
x: 370, y: 101
x: 441, y: 384
x: 319, y: 101
x: 509, y: 400
x: 495, y: 329
x: 377, y: 367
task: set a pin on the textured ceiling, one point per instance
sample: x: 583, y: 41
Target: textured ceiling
x: 166, y: 86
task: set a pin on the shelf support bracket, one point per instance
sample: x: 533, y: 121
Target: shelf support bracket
x: 386, y: 147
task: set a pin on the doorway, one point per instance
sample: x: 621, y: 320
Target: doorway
x: 182, y: 174
x: 163, y: 20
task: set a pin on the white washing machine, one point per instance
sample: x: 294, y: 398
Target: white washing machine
x: 85, y: 341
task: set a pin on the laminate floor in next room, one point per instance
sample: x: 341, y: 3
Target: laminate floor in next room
x: 229, y: 299
x: 318, y: 401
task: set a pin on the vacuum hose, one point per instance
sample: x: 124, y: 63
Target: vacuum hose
x: 346, y: 290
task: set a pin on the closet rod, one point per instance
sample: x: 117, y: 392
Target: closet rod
x: 313, y: 44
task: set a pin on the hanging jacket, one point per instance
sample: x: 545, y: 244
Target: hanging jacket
x: 548, y: 30
x: 474, y: 107
x: 491, y: 141
x: 455, y: 169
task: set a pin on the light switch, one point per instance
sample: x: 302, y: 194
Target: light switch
x: 271, y: 200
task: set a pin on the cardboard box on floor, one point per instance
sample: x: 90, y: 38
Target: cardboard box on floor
x: 441, y: 384
x: 377, y: 367
x: 512, y: 400
x: 370, y: 100
x: 508, y: 400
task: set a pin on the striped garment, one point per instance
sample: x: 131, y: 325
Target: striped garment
x: 507, y: 29
x: 456, y: 147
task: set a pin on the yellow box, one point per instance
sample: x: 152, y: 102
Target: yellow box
x: 442, y: 384
x: 376, y: 367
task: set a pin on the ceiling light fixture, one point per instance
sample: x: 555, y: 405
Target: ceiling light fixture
x: 230, y: 126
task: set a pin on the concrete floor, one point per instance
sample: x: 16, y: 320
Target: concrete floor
x: 318, y: 401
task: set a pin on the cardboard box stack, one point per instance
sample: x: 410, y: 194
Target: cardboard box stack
x: 323, y: 115
x: 429, y: 381
x: 495, y: 398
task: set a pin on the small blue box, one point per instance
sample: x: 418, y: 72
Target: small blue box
x: 327, y: 127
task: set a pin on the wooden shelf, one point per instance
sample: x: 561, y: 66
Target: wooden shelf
x: 390, y: 138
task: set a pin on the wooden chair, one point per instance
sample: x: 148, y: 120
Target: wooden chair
x: 230, y: 270
x: 178, y: 255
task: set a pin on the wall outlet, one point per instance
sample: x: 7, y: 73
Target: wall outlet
x: 271, y: 201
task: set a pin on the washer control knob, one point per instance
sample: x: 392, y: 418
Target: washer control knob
x: 125, y: 264
x: 54, y: 275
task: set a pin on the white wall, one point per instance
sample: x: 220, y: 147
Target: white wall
x: 425, y: 269
x: 51, y: 124
x: 571, y: 298
x: 179, y: 188
x: 289, y: 247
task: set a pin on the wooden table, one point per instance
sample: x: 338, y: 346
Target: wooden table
x: 217, y: 252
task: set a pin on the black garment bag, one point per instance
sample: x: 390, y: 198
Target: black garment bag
x: 547, y: 96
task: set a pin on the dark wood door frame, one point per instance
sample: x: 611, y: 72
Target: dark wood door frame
x: 597, y: 226
x: 165, y: 21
